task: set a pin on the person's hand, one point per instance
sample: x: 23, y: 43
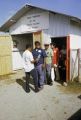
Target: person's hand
x: 52, y: 65
x: 36, y: 60
x: 55, y: 65
x: 43, y: 66
x: 59, y: 66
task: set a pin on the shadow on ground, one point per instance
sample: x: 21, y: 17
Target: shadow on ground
x: 79, y: 96
x: 76, y: 116
x: 22, y: 82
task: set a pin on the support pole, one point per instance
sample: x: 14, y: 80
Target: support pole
x: 79, y: 65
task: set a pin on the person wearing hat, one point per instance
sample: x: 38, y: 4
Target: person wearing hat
x: 49, y: 54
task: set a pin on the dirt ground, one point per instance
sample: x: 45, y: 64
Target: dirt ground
x: 52, y: 103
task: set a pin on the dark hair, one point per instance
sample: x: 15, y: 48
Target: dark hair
x: 28, y: 46
x: 37, y: 42
x: 51, y: 43
x: 54, y: 44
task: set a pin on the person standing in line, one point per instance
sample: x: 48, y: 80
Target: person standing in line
x: 55, y: 61
x: 40, y: 55
x: 29, y: 68
x: 49, y: 54
x: 62, y: 64
x: 51, y: 46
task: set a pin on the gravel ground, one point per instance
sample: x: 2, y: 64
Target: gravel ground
x: 52, y: 103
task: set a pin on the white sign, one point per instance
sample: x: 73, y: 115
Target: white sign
x: 31, y: 22
x: 37, y: 21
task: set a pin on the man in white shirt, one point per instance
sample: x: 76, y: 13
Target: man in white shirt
x: 29, y: 68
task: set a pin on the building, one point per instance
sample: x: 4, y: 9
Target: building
x: 32, y: 23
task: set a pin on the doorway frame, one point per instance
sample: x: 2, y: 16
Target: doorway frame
x: 68, y: 60
x: 67, y: 56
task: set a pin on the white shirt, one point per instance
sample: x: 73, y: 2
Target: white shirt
x: 28, y: 57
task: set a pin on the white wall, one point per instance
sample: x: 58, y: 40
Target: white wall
x: 17, y: 60
x: 75, y: 44
x: 33, y: 21
x: 45, y: 37
x: 75, y: 28
x: 75, y: 41
x: 53, y: 25
x: 73, y: 64
x: 61, y: 25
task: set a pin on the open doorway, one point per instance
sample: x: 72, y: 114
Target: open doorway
x: 19, y: 45
x: 61, y: 44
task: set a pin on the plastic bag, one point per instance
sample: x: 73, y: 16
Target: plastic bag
x: 52, y: 74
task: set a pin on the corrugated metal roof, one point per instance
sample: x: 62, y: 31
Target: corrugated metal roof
x: 14, y: 18
x: 5, y: 27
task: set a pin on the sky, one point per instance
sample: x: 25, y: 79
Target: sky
x: 69, y: 7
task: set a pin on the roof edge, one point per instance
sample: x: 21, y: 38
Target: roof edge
x: 5, y: 27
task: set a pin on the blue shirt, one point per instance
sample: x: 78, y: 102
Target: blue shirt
x: 40, y: 54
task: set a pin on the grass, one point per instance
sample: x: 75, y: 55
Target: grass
x: 72, y: 87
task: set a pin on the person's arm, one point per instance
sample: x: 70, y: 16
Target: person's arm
x: 32, y: 59
x: 44, y: 64
x: 52, y: 55
x: 44, y: 55
x: 44, y: 60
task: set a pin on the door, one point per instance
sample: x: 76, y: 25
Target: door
x: 5, y: 55
x: 37, y: 36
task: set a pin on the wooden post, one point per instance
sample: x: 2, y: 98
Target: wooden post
x: 68, y: 59
x: 79, y: 65
x: 37, y: 36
